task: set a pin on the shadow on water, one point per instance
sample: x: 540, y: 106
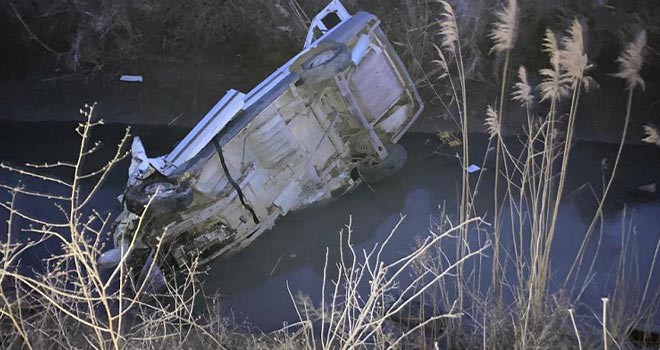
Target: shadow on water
x: 253, y: 283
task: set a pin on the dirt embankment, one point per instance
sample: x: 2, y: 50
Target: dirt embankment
x: 60, y: 55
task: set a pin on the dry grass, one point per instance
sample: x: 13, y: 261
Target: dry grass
x: 533, y: 191
x: 503, y: 34
x: 367, y: 292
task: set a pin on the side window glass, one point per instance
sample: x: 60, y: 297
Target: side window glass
x: 331, y: 20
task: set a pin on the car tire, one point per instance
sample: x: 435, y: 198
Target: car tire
x: 169, y: 196
x: 375, y: 171
x: 322, y: 63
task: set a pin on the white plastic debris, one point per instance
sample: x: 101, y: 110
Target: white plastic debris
x: 285, y: 29
x: 473, y: 168
x: 112, y: 257
x: 650, y: 188
x: 131, y: 78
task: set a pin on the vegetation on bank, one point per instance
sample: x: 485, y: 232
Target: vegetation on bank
x: 71, y: 303
x: 89, y: 35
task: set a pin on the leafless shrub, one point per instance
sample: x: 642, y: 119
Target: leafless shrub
x: 69, y: 299
x: 366, y: 293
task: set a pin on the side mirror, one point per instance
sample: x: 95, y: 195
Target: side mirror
x: 140, y: 167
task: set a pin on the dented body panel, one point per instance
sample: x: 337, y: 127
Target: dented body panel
x: 295, y: 139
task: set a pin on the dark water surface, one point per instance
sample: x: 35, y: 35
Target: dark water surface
x: 253, y: 283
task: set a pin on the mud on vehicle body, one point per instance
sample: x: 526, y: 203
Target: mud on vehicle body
x: 324, y: 122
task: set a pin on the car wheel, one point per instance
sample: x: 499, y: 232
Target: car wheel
x: 168, y: 196
x: 374, y: 170
x: 322, y: 63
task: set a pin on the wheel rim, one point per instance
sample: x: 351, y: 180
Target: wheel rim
x: 161, y: 188
x: 321, y: 58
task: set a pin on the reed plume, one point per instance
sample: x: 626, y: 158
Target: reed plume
x: 522, y: 92
x: 448, y: 28
x: 552, y: 85
x: 631, y: 61
x: 441, y: 62
x: 492, y: 122
x: 505, y: 29
x: 572, y: 57
x: 651, y: 135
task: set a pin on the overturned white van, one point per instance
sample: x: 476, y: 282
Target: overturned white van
x: 327, y: 120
